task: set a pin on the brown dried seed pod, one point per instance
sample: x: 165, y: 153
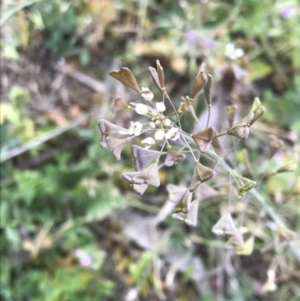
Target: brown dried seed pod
x: 204, y: 138
x: 161, y: 75
x: 199, y: 83
x: 118, y: 105
x: 241, y: 128
x: 173, y: 157
x: 143, y: 157
x: 241, y: 132
x: 155, y: 77
x: 126, y: 77
x: 208, y: 89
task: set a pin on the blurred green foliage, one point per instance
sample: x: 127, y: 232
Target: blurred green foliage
x: 70, y: 196
x: 284, y: 109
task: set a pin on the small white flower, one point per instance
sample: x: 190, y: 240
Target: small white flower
x: 160, y: 107
x: 134, y: 129
x: 167, y: 122
x: 159, y: 135
x: 152, y: 125
x: 147, y: 94
x: 141, y: 109
x: 172, y: 134
x: 232, y: 52
x: 148, y: 142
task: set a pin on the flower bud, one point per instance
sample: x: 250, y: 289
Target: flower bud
x: 160, y: 107
x: 141, y: 109
x: 147, y: 94
x: 152, y: 125
x: 167, y: 122
x: 172, y: 134
x: 148, y: 142
x: 159, y: 135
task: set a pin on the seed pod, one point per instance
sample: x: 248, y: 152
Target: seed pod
x: 204, y: 138
x: 189, y: 218
x: 184, y: 105
x: 126, y: 77
x: 143, y: 157
x: 155, y: 77
x: 158, y: 76
x: 201, y: 174
x: 224, y: 225
x: 173, y: 157
x: 108, y: 129
x: 241, y: 129
x: 256, y: 103
x: 117, y: 145
x: 199, y: 83
x: 148, y: 176
x: 119, y: 104
x: 140, y: 188
x: 208, y: 88
x: 246, y: 185
x: 161, y: 74
x: 175, y: 192
x: 259, y: 111
x: 184, y: 203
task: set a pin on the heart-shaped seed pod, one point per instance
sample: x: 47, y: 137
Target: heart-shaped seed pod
x: 126, y: 77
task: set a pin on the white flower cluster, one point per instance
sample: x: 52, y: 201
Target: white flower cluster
x: 162, y: 126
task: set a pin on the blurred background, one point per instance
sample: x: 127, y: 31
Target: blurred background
x: 71, y: 228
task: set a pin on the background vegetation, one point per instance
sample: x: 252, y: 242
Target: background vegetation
x: 68, y: 221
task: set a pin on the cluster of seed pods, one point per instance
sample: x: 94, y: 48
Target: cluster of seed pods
x: 164, y: 143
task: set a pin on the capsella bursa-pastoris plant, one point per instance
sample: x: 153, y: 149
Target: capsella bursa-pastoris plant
x: 165, y: 143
